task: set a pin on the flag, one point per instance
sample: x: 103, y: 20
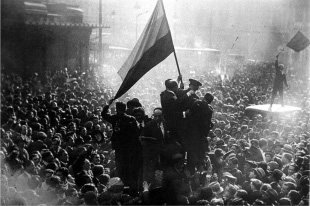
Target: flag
x: 298, y: 42
x: 154, y: 45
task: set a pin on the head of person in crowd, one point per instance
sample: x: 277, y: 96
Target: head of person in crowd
x: 63, y: 174
x: 88, y: 187
x: 120, y: 108
x: 139, y: 114
x: 219, y: 153
x: 158, y: 114
x: 132, y: 104
x: 229, y: 191
x: 217, y: 189
x: 269, y: 156
x: 292, y: 169
x: 241, y: 194
x: 249, y: 166
x: 171, y: 85
x: 72, y: 197
x: 286, y: 187
x: 233, y: 163
x: 208, y: 98
x: 284, y: 201
x: 286, y: 158
x: 263, y: 144
x: 270, y: 196
x: 115, y: 186
x: 257, y: 173
x: 256, y: 184
x: 265, y: 187
x: 178, y: 162
x: 90, y: 198
x: 194, y: 84
x: 294, y: 196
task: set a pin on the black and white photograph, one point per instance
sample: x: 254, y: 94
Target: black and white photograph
x: 155, y: 102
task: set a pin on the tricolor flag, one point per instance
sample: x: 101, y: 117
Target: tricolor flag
x: 154, y: 45
x: 298, y: 42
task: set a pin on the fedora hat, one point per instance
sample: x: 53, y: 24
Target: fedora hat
x: 287, y: 149
x: 216, y: 188
x: 220, y: 143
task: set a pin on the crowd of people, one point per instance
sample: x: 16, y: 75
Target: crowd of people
x: 63, y: 142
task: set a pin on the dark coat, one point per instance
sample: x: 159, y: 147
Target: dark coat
x: 152, y: 129
x: 186, y: 102
x: 124, y: 128
x: 280, y: 78
x: 201, y: 115
x: 175, y: 184
x: 253, y: 196
x: 170, y: 105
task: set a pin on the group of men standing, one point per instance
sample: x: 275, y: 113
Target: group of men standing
x: 182, y: 122
x: 188, y: 120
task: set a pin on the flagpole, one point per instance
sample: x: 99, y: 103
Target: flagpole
x: 176, y: 61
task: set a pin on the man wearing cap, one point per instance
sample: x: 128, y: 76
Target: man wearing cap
x: 175, y: 182
x: 269, y: 156
x: 233, y: 169
x: 270, y: 197
x: 255, y: 190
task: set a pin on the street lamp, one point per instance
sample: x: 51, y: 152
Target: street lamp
x: 137, y: 23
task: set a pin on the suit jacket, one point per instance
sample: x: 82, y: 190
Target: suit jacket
x: 153, y: 129
x: 280, y: 78
x: 170, y: 106
x: 253, y: 196
x: 201, y: 115
x: 124, y: 128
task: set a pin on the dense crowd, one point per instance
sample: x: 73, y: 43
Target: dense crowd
x: 64, y: 143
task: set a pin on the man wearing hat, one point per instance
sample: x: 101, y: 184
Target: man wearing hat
x: 270, y: 197
x: 286, y: 161
x: 255, y: 193
x: 175, y: 182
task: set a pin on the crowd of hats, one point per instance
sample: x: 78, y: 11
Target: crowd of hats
x: 40, y: 107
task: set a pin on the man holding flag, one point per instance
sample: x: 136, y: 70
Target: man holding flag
x: 279, y: 80
x: 154, y: 45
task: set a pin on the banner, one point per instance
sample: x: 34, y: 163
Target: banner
x: 154, y: 45
x: 299, y: 42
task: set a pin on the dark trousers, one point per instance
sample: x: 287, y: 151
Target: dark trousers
x: 151, y: 158
x: 274, y: 93
x: 122, y: 164
x: 195, y: 149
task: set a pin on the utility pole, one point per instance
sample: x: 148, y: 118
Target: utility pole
x: 100, y: 32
